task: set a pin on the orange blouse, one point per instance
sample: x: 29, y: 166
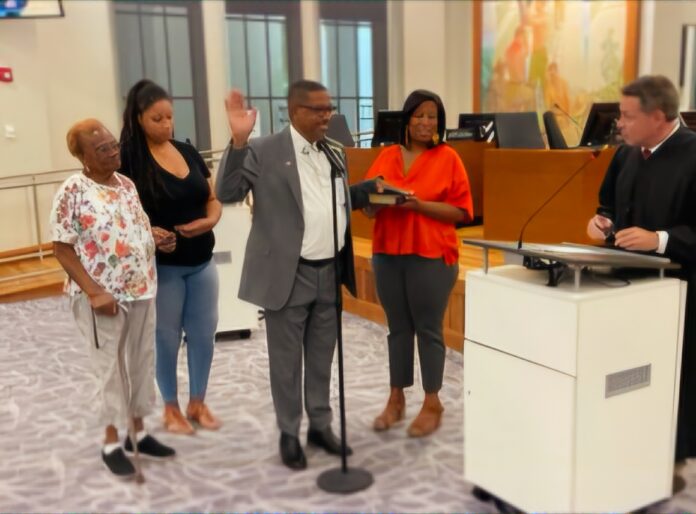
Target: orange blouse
x: 436, y: 175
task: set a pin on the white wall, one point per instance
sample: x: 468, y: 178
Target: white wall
x: 64, y: 70
x: 424, y: 60
x: 430, y: 47
x: 661, y: 32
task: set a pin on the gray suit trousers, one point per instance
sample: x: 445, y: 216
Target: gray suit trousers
x: 305, y: 326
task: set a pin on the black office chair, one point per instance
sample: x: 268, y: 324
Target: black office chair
x: 518, y: 130
x: 338, y: 130
x: 553, y: 132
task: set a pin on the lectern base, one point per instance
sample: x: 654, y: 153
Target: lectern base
x: 349, y: 481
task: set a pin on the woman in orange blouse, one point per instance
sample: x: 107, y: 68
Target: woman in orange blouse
x: 415, y: 254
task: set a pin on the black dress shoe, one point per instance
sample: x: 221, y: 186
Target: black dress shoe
x: 327, y: 440
x: 678, y: 483
x: 481, y: 494
x: 291, y: 452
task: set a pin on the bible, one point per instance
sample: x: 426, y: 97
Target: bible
x: 390, y: 196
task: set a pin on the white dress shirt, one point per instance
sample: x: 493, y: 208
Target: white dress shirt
x: 315, y: 181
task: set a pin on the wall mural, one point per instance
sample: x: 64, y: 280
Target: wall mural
x: 558, y: 55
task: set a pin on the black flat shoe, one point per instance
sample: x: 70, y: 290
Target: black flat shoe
x: 150, y: 447
x: 327, y: 440
x: 291, y: 452
x: 118, y: 463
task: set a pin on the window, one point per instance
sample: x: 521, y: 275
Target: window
x: 163, y: 41
x: 353, y: 60
x: 259, y: 36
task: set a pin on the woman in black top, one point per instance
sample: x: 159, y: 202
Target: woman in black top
x: 174, y: 187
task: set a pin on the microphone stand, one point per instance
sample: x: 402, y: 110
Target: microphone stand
x: 344, y: 479
x: 565, y: 113
x: 594, y: 155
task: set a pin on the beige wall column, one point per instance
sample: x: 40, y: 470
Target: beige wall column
x: 311, y: 49
x: 430, y: 47
x: 217, y: 66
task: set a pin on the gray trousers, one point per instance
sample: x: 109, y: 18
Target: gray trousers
x: 305, y: 326
x: 414, y: 292
x: 138, y: 327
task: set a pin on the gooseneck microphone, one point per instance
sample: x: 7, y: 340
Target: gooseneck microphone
x: 333, y: 156
x: 593, y: 155
x: 566, y: 114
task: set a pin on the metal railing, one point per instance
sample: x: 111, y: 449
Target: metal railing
x: 31, y: 182
x: 34, y: 180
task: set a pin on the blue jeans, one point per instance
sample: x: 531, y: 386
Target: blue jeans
x: 187, y: 301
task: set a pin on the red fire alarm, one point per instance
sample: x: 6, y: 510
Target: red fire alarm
x: 5, y: 74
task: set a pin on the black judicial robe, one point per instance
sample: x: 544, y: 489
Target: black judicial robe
x: 659, y: 193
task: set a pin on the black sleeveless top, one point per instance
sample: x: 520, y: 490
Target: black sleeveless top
x: 178, y: 201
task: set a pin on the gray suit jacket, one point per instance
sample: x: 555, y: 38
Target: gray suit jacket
x: 267, y: 166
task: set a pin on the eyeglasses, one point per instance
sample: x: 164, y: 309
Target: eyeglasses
x: 320, y: 109
x: 107, y: 148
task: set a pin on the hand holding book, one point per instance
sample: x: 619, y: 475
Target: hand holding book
x: 388, y: 194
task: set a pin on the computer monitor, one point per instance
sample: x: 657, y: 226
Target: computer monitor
x: 600, y: 127
x: 387, y: 128
x: 518, y: 130
x: 476, y: 126
x: 338, y: 130
x: 688, y: 119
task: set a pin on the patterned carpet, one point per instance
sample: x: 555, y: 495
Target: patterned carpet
x: 49, y: 441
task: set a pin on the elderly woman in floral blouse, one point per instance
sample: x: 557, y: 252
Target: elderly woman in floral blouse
x: 103, y: 240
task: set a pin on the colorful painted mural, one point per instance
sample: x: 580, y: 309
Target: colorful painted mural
x: 558, y: 55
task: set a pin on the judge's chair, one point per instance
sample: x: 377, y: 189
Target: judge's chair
x: 553, y: 132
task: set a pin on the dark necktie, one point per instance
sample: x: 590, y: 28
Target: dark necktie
x: 646, y: 153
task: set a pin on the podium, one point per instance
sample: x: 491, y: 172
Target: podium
x: 231, y: 233
x: 571, y: 392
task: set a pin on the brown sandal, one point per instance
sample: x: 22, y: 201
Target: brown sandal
x: 200, y: 413
x: 429, y: 417
x: 175, y: 422
x: 393, y: 412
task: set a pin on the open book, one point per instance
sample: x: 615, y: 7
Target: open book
x: 390, y: 196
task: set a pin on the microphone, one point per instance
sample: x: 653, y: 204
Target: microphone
x: 593, y: 155
x: 335, y: 159
x: 305, y: 150
x: 566, y: 114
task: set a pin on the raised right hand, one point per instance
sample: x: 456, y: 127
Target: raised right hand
x: 240, y: 119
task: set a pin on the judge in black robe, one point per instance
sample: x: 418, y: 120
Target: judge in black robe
x: 645, y: 193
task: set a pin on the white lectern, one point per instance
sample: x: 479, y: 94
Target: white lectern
x: 570, y: 392
x: 231, y: 235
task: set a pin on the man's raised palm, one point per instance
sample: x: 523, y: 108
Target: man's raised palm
x: 240, y: 119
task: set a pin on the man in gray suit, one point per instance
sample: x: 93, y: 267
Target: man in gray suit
x: 289, y: 263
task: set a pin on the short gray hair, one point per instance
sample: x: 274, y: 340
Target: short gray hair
x: 654, y: 92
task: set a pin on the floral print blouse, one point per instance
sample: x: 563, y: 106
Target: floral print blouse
x: 110, y: 233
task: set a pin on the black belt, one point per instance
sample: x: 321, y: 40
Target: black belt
x: 316, y: 263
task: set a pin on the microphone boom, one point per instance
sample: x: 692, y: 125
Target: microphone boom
x: 593, y: 155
